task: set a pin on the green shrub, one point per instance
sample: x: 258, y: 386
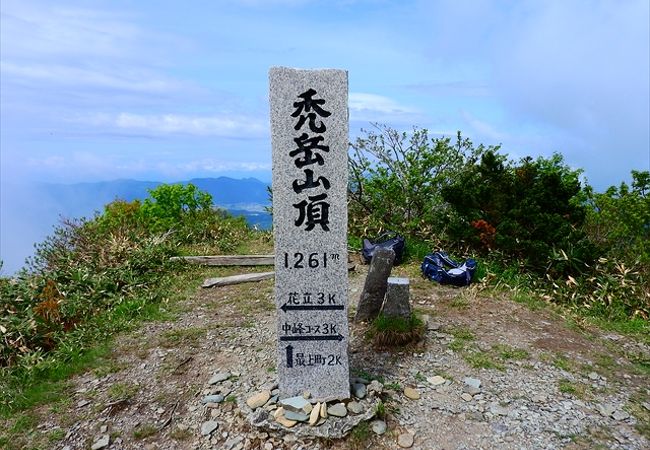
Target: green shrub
x: 526, y: 210
x: 396, y: 181
x: 618, y: 220
x: 113, y: 262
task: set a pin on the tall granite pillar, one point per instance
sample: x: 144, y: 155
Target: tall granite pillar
x: 309, y: 136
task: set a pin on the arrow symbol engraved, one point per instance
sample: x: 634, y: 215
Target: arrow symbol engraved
x: 287, y: 307
x: 332, y: 337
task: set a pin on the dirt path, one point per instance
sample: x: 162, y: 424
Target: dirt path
x: 542, y: 384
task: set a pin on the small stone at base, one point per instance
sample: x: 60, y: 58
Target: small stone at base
x: 315, y: 414
x: 355, y: 407
x: 295, y: 404
x: 297, y: 416
x: 286, y: 422
x: 338, y: 410
x: 323, y: 410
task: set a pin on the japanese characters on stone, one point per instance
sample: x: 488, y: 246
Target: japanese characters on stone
x: 310, y: 153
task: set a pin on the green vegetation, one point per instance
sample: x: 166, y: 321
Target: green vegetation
x: 360, y: 435
x: 144, y: 431
x: 395, y: 331
x: 534, y: 225
x: 380, y: 410
x: 541, y: 236
x: 95, y: 277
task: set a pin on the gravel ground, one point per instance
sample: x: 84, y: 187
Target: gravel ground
x: 489, y: 374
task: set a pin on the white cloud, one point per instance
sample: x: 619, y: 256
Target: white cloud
x: 77, y: 77
x: 219, y: 125
x: 483, y: 129
x: 377, y: 108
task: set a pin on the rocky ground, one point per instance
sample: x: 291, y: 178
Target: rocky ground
x: 490, y: 374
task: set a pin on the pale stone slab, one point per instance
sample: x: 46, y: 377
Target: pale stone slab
x: 397, y: 302
x: 309, y: 136
x: 374, y: 289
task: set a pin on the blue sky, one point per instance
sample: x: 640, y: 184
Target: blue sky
x: 162, y: 90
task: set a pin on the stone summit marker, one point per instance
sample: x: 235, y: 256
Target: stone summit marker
x: 309, y: 136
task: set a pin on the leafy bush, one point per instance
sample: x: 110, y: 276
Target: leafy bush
x: 527, y: 210
x: 396, y: 181
x: 174, y: 204
x: 113, y: 262
x: 618, y: 220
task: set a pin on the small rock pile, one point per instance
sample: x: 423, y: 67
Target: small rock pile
x: 310, y: 418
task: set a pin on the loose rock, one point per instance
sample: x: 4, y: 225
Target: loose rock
x: 412, y: 393
x: 295, y: 404
x: 219, y: 377
x: 359, y: 390
x: 472, y: 382
x: 338, y: 410
x: 286, y: 422
x: 378, y: 426
x: 465, y: 396
x: 209, y: 427
x: 323, y: 410
x: 405, y: 440
x: 355, y: 407
x: 102, y: 442
x: 213, y: 399
x: 297, y: 416
x: 436, y: 380
x: 315, y: 414
x: 258, y: 399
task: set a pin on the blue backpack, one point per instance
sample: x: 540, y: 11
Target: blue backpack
x: 439, y: 267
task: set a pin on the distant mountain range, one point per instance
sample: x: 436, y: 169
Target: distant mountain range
x: 29, y: 212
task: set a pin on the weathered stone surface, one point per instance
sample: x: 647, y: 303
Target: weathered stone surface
x: 309, y: 135
x: 102, y: 442
x: 472, y: 382
x: 398, y: 298
x: 295, y: 404
x: 258, y: 399
x: 219, y: 377
x: 471, y: 390
x: 405, y: 440
x: 606, y: 410
x: 297, y: 416
x: 355, y: 407
x: 411, y: 393
x: 465, y: 396
x: 619, y: 414
x: 207, y: 428
x: 213, y: 399
x: 436, y: 380
x: 338, y: 410
x: 374, y: 289
x: 315, y: 414
x: 378, y: 426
